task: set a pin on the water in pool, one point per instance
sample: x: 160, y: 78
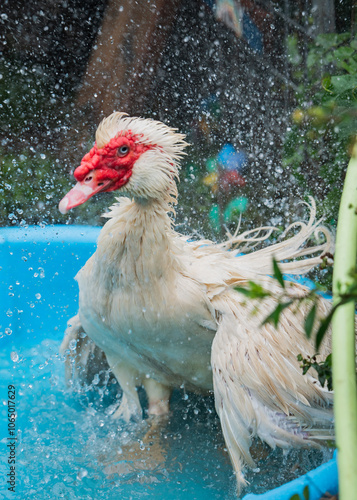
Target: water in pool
x: 69, y: 447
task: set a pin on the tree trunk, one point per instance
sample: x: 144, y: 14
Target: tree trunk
x: 125, y: 57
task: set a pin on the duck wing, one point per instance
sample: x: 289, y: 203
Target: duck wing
x: 83, y: 358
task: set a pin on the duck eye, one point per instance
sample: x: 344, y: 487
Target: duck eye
x: 123, y: 151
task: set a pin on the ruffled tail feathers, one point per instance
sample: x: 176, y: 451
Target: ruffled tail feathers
x: 274, y: 428
x: 296, y: 255
x: 259, y: 388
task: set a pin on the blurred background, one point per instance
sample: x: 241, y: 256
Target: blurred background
x: 264, y: 89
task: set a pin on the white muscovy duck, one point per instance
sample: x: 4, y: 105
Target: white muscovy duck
x: 164, y: 310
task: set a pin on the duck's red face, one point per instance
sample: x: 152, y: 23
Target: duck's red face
x: 104, y: 169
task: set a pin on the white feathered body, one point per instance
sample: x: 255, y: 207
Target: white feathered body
x: 139, y: 302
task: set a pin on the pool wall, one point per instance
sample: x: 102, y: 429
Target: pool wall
x: 322, y: 480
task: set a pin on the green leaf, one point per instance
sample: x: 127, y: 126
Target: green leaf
x: 306, y: 493
x: 322, y: 379
x: 278, y: 274
x: 305, y: 369
x: 343, y: 52
x: 322, y: 329
x: 309, y: 321
x: 275, y: 315
x: 328, y: 360
x: 326, y: 83
x: 244, y: 291
x: 312, y: 59
x: 328, y: 40
x: 341, y: 83
x: 253, y: 291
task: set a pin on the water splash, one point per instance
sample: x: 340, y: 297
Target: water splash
x: 72, y: 448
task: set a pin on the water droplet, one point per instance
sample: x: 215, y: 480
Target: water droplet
x: 72, y: 344
x: 38, y: 296
x: 95, y: 379
x: 14, y: 356
x: 8, y: 331
x: 9, y: 313
x: 81, y: 474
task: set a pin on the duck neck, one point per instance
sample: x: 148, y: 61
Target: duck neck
x: 137, y: 242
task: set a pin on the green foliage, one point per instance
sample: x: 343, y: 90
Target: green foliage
x: 323, y: 368
x: 29, y: 189
x: 25, y: 97
x: 31, y: 104
x: 324, y: 121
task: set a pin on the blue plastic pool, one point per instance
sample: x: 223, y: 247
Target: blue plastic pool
x: 67, y: 446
